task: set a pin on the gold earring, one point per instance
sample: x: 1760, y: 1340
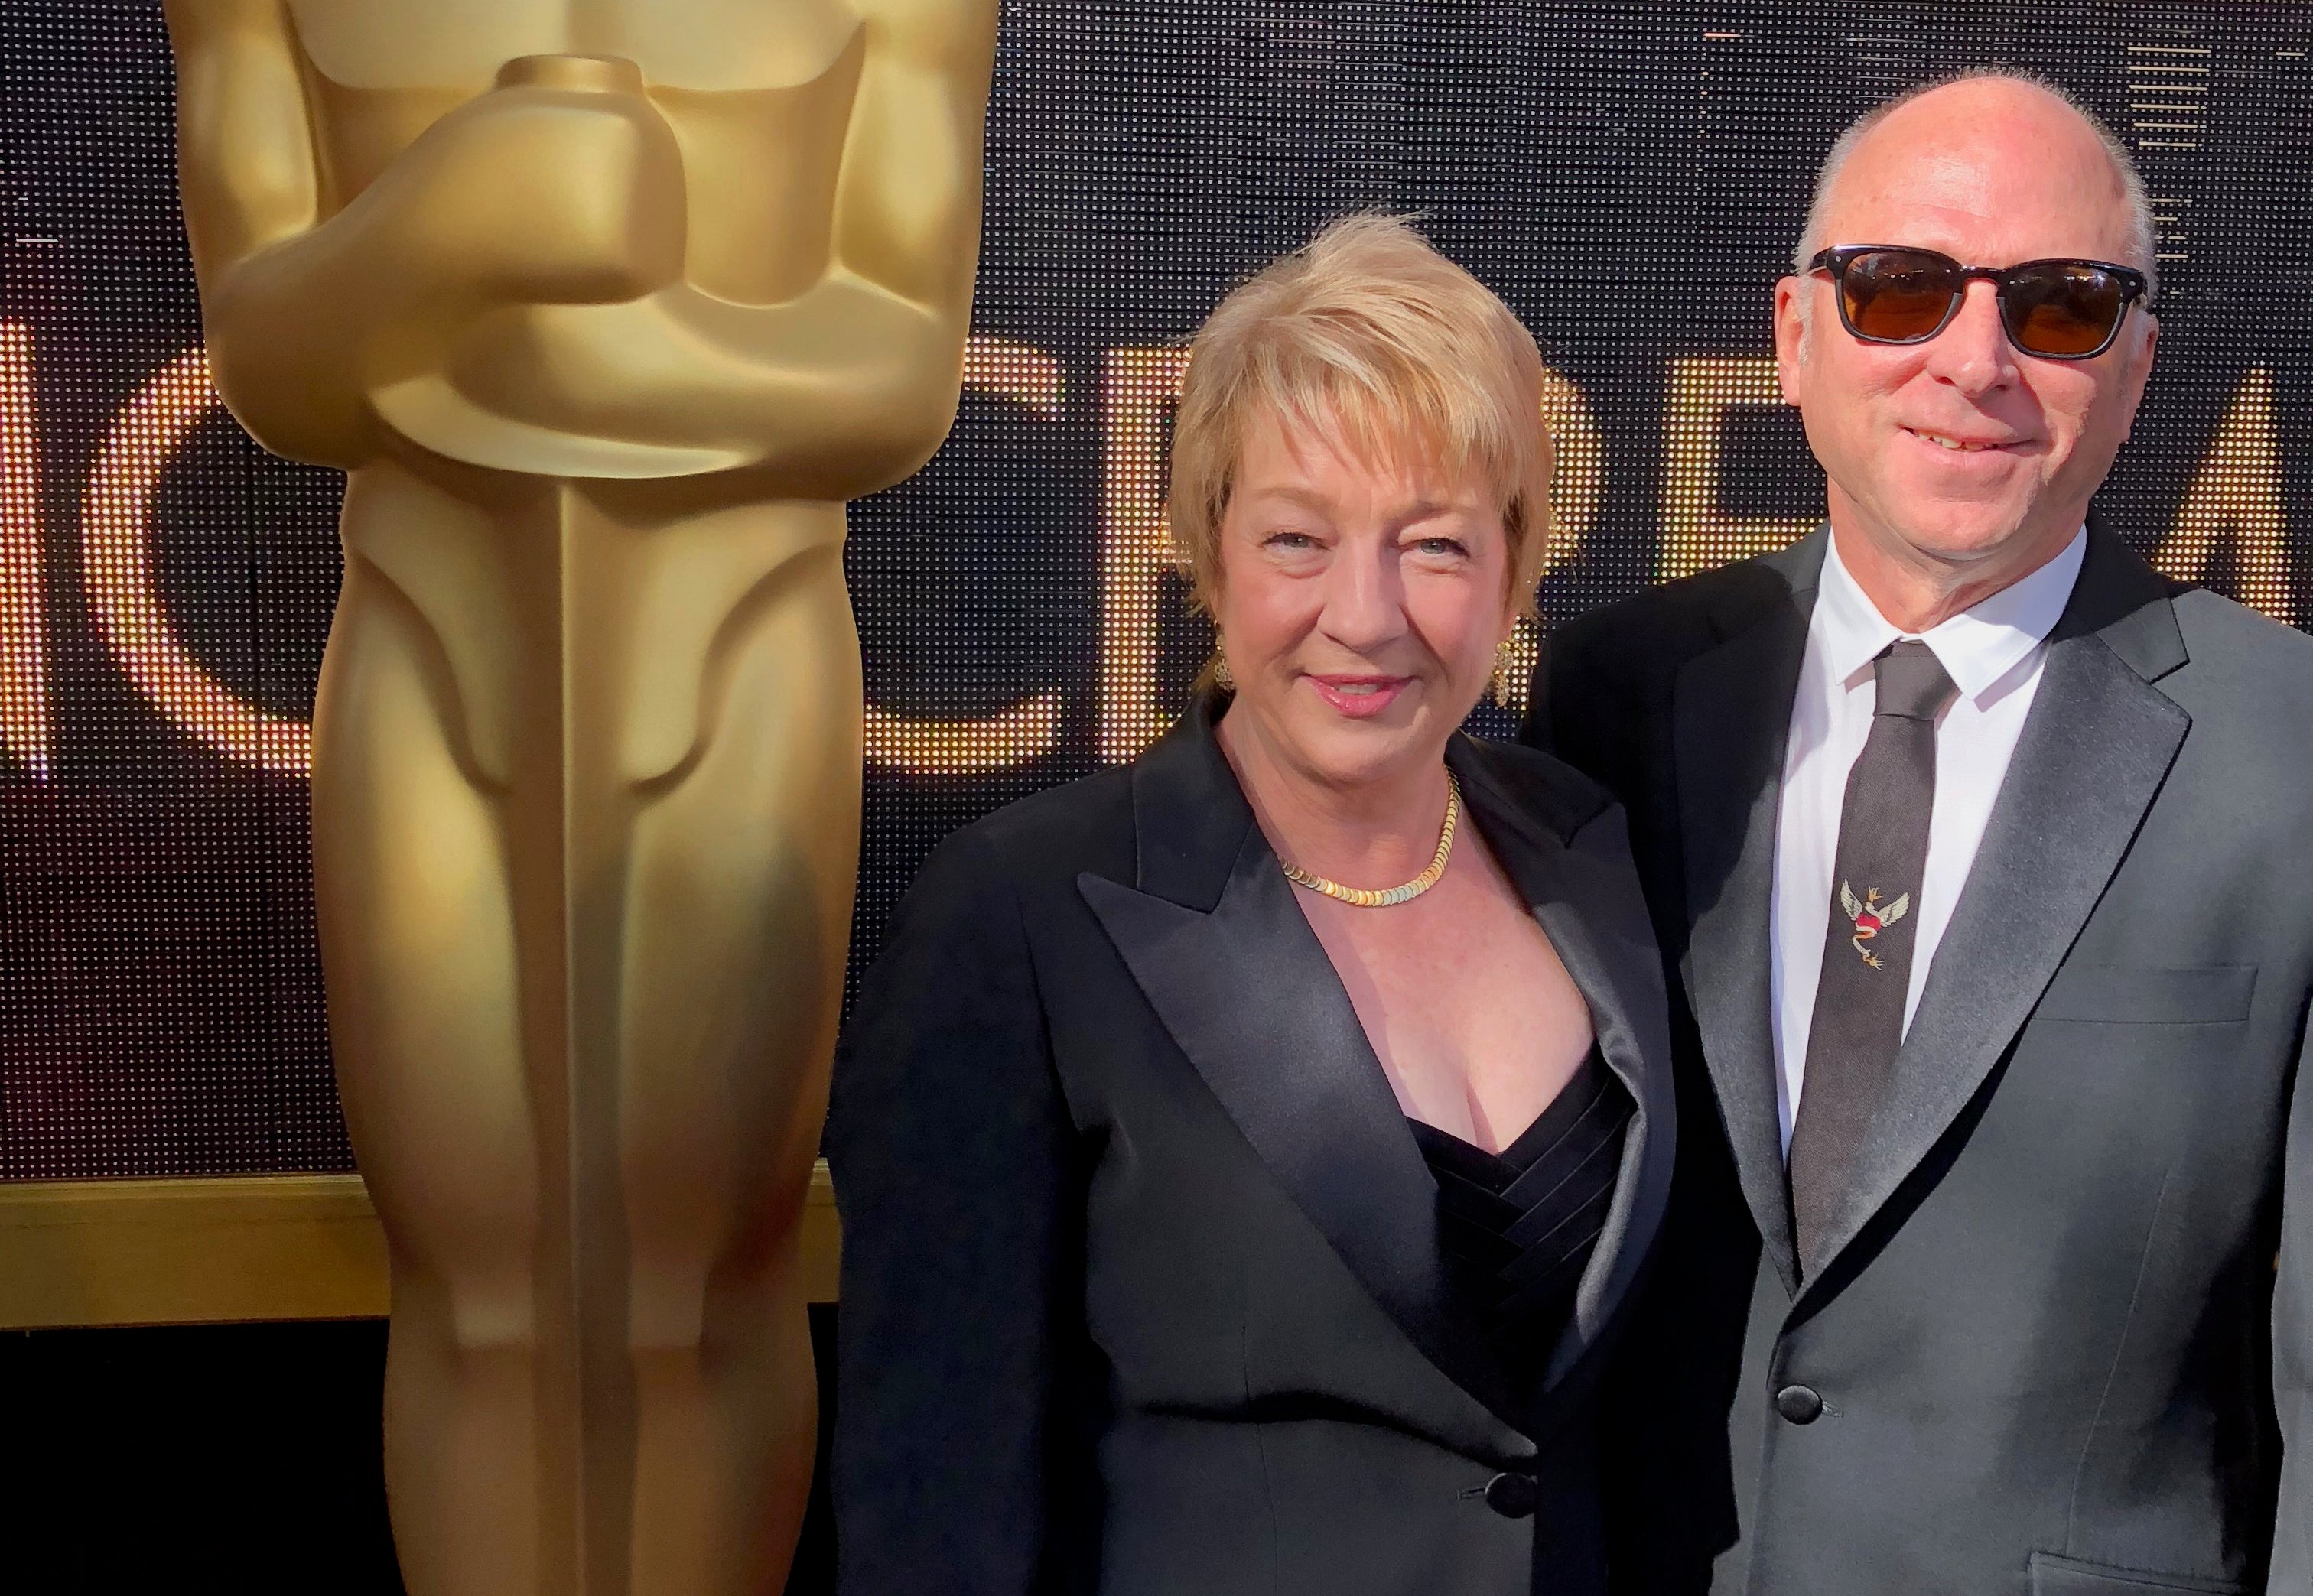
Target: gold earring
x: 1505, y: 663
x: 1223, y: 677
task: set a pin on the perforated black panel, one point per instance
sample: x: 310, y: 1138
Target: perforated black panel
x: 1629, y: 177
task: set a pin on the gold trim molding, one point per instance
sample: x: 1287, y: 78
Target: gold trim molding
x: 268, y: 1247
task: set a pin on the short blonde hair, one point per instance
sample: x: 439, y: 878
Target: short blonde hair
x: 1370, y: 331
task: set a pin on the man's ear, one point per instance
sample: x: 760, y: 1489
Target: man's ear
x: 2142, y: 360
x: 1793, y: 308
x: 2152, y: 347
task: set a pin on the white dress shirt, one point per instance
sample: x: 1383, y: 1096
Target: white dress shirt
x: 1993, y: 653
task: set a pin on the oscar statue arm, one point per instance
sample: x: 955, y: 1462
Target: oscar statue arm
x: 860, y: 378
x: 842, y: 389
x: 312, y: 301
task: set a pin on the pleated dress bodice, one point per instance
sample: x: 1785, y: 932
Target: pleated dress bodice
x: 1518, y: 1226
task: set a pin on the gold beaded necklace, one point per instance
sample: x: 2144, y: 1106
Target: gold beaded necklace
x: 1369, y: 898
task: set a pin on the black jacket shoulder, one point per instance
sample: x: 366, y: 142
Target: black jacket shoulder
x: 1606, y: 676
x: 1043, y: 842
x: 2217, y: 628
x: 2248, y: 683
x: 1667, y: 625
x: 1543, y: 786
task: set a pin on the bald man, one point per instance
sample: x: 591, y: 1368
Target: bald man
x: 1982, y: 860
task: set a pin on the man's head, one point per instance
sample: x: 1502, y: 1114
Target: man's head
x: 1962, y: 459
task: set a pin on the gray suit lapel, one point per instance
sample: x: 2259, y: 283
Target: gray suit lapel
x: 2096, y: 748
x: 1731, y: 722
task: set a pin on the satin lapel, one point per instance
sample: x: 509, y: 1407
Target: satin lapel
x: 1246, y: 992
x: 1731, y: 722
x: 2095, y: 750
x: 1590, y: 907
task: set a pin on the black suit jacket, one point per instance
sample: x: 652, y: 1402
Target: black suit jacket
x: 2044, y: 1340
x: 1141, y: 1285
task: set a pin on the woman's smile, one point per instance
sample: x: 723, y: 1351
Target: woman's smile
x: 1360, y: 698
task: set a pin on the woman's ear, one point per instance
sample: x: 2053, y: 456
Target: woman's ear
x: 1515, y: 607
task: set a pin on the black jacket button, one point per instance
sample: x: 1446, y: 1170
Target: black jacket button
x: 1800, y: 1404
x: 1512, y: 1495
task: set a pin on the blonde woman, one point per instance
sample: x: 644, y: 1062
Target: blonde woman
x: 1244, y: 1155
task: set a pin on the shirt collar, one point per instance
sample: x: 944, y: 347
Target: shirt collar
x: 1977, y: 647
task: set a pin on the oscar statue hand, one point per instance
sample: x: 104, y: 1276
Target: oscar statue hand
x: 563, y: 185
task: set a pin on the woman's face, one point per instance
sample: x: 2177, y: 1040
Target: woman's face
x: 1360, y: 604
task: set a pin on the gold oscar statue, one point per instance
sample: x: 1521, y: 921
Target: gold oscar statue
x: 606, y: 307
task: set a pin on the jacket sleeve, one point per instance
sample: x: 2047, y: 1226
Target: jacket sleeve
x: 2292, y: 1342
x: 960, y: 1464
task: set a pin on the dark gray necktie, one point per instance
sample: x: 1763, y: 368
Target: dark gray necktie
x: 1867, y: 957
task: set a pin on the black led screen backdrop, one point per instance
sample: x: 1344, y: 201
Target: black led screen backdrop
x: 1630, y: 178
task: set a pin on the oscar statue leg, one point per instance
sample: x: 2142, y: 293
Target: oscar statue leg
x: 420, y: 948
x: 587, y: 814
x: 727, y: 1023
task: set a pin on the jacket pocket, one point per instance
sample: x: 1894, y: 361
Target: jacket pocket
x: 2068, y: 1576
x: 2149, y: 994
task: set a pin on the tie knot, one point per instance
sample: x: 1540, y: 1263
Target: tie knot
x: 1912, y: 682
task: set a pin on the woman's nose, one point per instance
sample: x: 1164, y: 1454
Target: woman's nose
x: 1364, y: 599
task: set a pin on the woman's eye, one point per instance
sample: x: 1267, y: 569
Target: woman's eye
x: 1442, y: 548
x: 1290, y: 540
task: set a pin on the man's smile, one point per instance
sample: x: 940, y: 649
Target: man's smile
x: 1959, y: 444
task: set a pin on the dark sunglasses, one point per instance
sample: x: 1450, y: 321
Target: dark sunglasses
x: 2058, y: 310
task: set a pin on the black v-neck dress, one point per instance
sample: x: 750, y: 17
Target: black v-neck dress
x: 1517, y: 1226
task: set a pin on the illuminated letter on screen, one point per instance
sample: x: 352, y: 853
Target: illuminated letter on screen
x: 1030, y: 377
x: 23, y: 671
x: 1696, y: 536
x: 1136, y: 551
x: 1578, y: 483
x: 2236, y: 498
x: 116, y: 565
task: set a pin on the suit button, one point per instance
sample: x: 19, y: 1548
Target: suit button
x: 1800, y: 1404
x: 1512, y: 1495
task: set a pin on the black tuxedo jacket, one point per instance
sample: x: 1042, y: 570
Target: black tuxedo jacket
x: 1141, y: 1285
x: 2046, y: 1354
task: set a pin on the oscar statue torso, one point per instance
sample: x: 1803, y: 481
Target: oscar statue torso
x: 606, y: 307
